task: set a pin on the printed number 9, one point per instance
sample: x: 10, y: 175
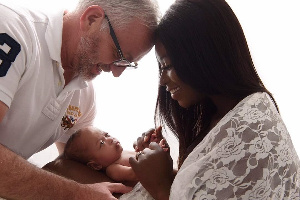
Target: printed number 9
x: 8, y: 58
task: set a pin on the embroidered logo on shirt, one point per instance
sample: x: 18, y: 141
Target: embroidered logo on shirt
x: 71, y: 117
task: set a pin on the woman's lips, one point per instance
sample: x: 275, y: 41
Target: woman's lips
x: 174, y: 90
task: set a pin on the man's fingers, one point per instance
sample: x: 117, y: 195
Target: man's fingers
x: 119, y: 188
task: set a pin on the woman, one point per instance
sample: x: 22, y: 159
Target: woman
x: 233, y: 143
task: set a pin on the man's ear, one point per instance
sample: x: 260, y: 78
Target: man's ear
x: 94, y: 165
x: 92, y: 18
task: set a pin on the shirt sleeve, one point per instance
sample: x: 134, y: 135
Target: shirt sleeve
x: 15, y: 42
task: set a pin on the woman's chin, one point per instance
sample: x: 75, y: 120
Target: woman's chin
x: 184, y: 104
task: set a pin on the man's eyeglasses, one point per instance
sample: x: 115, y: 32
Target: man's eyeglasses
x: 122, y: 62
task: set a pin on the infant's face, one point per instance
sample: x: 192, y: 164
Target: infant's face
x: 102, y: 148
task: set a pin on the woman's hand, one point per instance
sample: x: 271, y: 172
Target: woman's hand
x: 151, y: 135
x: 154, y: 168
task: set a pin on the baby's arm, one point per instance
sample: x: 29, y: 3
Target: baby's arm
x: 120, y: 173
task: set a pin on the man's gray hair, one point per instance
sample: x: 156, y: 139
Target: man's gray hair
x: 122, y: 12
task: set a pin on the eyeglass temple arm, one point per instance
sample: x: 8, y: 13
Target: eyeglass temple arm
x: 114, y: 37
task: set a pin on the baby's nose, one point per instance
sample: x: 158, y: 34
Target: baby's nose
x: 109, y: 139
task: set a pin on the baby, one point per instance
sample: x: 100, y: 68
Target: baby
x: 98, y: 150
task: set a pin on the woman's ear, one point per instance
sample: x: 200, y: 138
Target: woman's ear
x: 92, y: 18
x: 94, y: 165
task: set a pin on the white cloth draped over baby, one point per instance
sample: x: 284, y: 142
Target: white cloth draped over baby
x: 247, y: 155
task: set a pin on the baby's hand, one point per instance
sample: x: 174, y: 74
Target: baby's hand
x: 148, y: 137
x: 143, y: 142
x: 156, y: 136
x: 164, y: 145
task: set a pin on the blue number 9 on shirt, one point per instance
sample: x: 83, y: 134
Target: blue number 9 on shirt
x: 8, y: 58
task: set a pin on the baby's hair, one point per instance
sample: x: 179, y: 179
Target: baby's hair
x: 74, y: 152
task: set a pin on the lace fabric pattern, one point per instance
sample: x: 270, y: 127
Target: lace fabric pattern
x: 137, y: 193
x: 247, y: 155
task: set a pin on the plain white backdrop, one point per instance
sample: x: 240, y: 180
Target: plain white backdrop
x: 126, y: 104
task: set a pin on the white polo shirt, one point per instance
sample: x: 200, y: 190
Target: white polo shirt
x: 41, y: 110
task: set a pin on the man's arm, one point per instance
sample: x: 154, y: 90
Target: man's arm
x: 80, y: 173
x: 3, y: 110
x: 22, y: 180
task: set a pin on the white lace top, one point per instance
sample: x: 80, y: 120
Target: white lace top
x: 247, y: 155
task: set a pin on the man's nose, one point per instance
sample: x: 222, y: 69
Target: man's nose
x: 117, y: 71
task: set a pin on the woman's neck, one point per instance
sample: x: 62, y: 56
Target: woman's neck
x: 223, y: 106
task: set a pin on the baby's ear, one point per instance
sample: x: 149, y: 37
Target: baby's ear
x: 94, y: 165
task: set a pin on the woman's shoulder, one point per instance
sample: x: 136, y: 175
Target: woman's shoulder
x: 247, y: 152
x: 257, y: 107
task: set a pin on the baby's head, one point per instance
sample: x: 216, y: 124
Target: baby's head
x: 93, y: 147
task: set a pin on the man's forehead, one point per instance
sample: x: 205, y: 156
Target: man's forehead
x: 137, y: 44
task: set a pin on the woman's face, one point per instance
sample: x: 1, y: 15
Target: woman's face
x: 180, y: 91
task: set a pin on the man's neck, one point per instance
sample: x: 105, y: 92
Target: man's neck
x: 69, y: 45
x: 68, y: 75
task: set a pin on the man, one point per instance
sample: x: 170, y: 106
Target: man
x: 46, y: 62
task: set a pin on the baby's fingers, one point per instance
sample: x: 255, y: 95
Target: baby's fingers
x: 164, y: 145
x: 143, y: 141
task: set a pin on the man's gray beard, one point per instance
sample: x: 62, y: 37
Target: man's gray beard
x: 85, y: 63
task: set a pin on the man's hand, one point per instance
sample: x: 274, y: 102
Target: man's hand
x: 106, y: 189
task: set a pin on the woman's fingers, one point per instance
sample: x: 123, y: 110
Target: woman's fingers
x: 143, y: 141
x: 154, y: 168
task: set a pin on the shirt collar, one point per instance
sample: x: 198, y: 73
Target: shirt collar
x: 53, y: 35
x: 76, y: 83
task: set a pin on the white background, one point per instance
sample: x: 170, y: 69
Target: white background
x: 272, y: 28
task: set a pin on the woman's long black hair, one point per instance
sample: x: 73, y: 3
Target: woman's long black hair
x: 208, y: 50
